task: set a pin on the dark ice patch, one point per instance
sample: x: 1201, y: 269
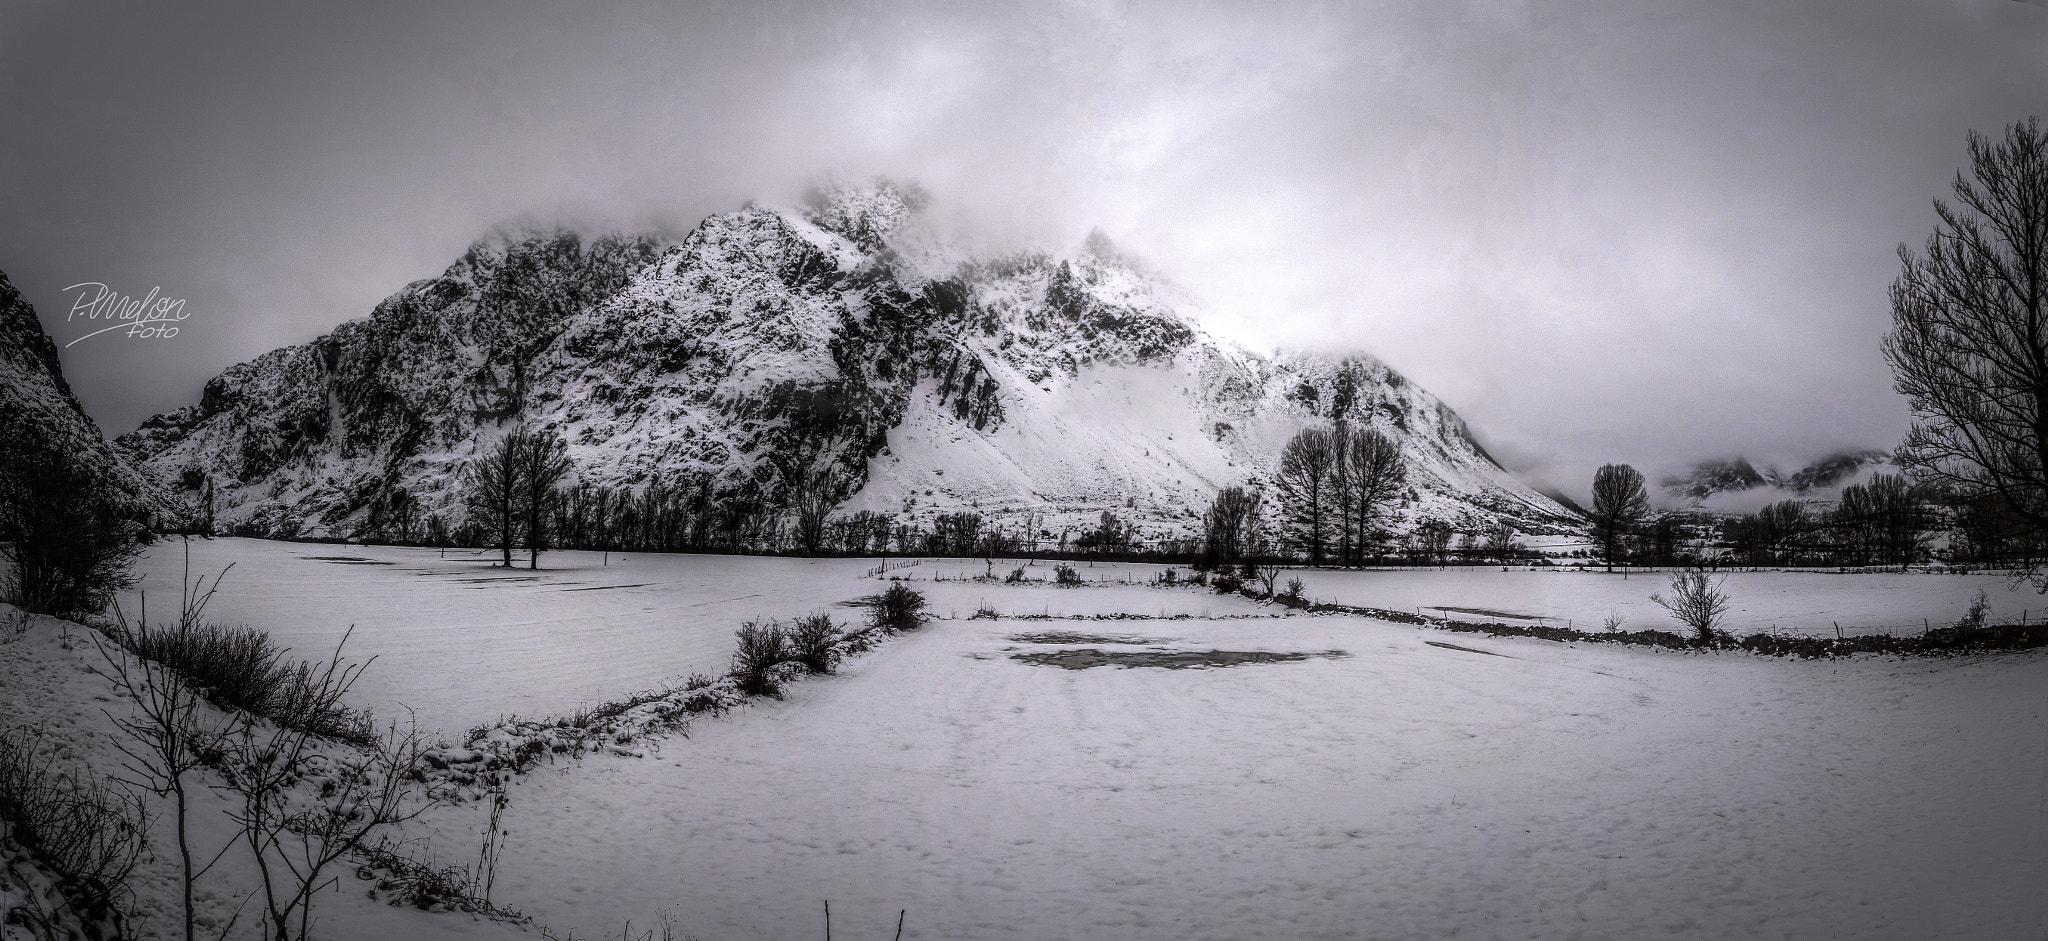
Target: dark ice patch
x: 1163, y: 659
x: 1438, y: 643
x: 1071, y: 637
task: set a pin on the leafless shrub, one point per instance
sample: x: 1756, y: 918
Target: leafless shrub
x: 87, y: 832
x: 900, y: 608
x: 667, y: 931
x: 1266, y: 575
x: 810, y: 643
x: 1696, y: 601
x: 1980, y: 609
x: 237, y: 668
x: 293, y: 836
x: 401, y: 879
x: 761, y: 647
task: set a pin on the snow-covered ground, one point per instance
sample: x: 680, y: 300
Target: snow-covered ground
x: 1403, y: 791
x: 463, y: 643
x: 1403, y: 788
x: 1792, y: 602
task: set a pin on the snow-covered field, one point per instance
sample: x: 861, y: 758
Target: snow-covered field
x: 463, y: 643
x: 1793, y: 602
x: 1399, y: 789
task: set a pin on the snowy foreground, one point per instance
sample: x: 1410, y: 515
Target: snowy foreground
x: 1382, y: 786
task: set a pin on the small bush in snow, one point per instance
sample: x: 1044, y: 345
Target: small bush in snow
x: 985, y: 613
x: 1697, y: 602
x: 1016, y: 576
x: 810, y: 643
x: 761, y: 648
x: 1065, y: 576
x: 901, y: 608
x: 405, y: 881
x: 1226, y: 584
x: 1292, y: 596
x: 1980, y: 608
x: 1168, y: 578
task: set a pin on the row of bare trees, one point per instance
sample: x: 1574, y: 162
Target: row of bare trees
x: 511, y: 491
x: 1883, y: 521
x: 1335, y: 485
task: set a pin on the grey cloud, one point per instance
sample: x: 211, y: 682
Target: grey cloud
x: 1601, y: 230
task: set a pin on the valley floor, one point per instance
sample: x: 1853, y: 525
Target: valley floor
x: 1389, y: 784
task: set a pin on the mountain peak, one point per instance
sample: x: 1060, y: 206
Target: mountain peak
x: 772, y: 348
x: 1738, y: 475
x: 863, y: 213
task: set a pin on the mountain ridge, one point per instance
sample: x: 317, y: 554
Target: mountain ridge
x: 771, y: 350
x: 1710, y: 478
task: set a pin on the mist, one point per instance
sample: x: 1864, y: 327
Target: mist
x: 1600, y: 231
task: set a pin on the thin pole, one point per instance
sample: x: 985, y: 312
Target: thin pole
x: 828, y: 920
x: 899, y: 923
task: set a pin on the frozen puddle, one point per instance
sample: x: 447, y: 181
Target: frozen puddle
x: 344, y: 560
x: 1166, y: 659
x: 1071, y: 637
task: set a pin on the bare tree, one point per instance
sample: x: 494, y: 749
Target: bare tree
x: 1375, y: 474
x: 1305, y: 476
x: 1619, y: 505
x: 1897, y: 519
x: 1341, y: 490
x: 1775, y: 533
x: 815, y: 498
x: 296, y: 836
x: 543, y: 462
x: 1969, y: 340
x: 168, y: 735
x: 490, y: 492
x: 1500, y: 540
x: 1433, y: 540
x: 1230, y: 525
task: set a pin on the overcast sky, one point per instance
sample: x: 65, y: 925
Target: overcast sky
x: 1636, y: 231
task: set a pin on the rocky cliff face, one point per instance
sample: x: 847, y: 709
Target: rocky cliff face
x: 772, y: 351
x: 37, y: 410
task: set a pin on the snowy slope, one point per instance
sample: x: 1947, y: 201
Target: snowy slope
x: 774, y: 349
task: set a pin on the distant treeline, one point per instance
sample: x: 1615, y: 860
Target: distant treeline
x: 1333, y: 501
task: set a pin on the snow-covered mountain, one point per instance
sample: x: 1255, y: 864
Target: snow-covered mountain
x: 1708, y: 479
x: 833, y: 345
x: 37, y: 405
